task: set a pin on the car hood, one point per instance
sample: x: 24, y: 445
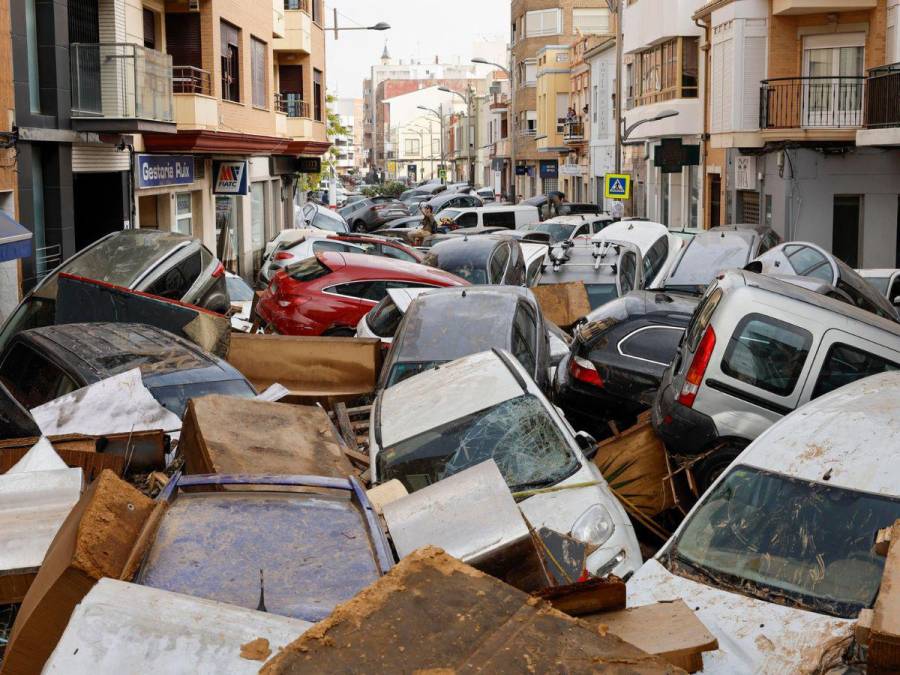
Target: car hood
x: 754, y: 636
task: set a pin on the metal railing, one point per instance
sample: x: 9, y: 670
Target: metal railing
x: 302, y: 5
x: 883, y: 97
x: 292, y: 104
x: 191, y: 80
x: 573, y: 132
x: 812, y: 102
x: 121, y: 81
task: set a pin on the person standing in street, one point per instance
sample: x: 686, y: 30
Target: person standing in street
x: 556, y: 198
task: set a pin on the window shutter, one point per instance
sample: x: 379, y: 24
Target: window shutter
x: 149, y: 29
x: 183, y: 44
x: 754, y: 73
x: 291, y: 79
x: 258, y: 65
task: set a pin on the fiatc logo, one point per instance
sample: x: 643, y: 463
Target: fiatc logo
x: 230, y: 177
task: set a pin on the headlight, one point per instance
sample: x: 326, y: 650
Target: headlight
x: 594, y: 526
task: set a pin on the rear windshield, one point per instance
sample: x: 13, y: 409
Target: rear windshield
x: 600, y: 294
x: 404, y: 371
x: 175, y: 397
x: 331, y: 224
x: 702, y: 316
x: 308, y: 270
x: 558, y: 231
x: 880, y: 284
x: 704, y: 258
x: 384, y: 319
x: 121, y: 259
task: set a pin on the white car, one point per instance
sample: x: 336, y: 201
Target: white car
x: 534, y: 256
x: 486, y: 406
x: 777, y: 558
x: 659, y: 247
x: 300, y: 247
x: 886, y: 282
x: 383, y: 320
x: 241, y: 295
x: 567, y: 228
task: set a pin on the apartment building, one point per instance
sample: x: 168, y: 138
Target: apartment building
x: 10, y: 247
x: 539, y: 25
x: 492, y: 141
x: 663, y: 109
x: 601, y: 131
x: 803, y: 117
x: 349, y: 145
x: 185, y: 116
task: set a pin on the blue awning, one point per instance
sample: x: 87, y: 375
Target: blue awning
x: 15, y: 239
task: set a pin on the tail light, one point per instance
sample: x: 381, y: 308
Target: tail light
x: 283, y: 255
x: 698, y: 368
x: 585, y: 371
x: 219, y: 272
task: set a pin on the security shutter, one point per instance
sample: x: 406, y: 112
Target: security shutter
x: 748, y: 202
x: 183, y: 39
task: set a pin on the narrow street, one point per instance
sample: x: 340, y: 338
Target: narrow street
x: 518, y: 337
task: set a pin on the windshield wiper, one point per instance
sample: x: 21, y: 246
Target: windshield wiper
x: 706, y: 574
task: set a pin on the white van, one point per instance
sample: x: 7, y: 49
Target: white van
x: 510, y: 217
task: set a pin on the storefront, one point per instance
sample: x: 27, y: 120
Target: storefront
x: 549, y: 175
x: 169, y: 193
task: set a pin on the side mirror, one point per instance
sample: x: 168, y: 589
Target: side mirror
x: 896, y: 301
x: 587, y: 443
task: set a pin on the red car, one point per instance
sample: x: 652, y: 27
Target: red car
x: 329, y: 293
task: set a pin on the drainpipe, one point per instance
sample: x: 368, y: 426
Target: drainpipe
x: 704, y: 138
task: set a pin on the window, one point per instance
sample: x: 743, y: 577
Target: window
x: 809, y: 262
x: 373, y: 291
x: 767, y: 353
x: 183, y: 213
x: 231, y: 62
x: 258, y: 66
x: 530, y: 73
x: 498, y: 263
x: 317, y: 95
x: 308, y: 270
x: 500, y: 219
x: 149, y: 29
x: 845, y: 364
x: 316, y: 10
x: 412, y: 147
x: 178, y: 279
x: 32, y: 379
x: 628, y: 273
x: 468, y: 219
x: 655, y: 258
x: 397, y: 254
x: 31, y: 47
x: 524, y: 338
x: 666, y: 71
x: 257, y: 222
x: 657, y: 344
x: 543, y: 22
x: 336, y: 246
x: 591, y: 21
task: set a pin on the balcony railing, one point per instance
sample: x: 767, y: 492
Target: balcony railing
x: 573, y: 132
x: 191, y: 80
x: 297, y: 4
x: 812, y: 103
x: 121, y: 81
x: 883, y: 97
x: 292, y: 104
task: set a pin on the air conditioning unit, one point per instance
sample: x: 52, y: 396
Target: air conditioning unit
x: 194, y: 5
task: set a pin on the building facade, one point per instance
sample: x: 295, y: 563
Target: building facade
x: 350, y: 159
x: 803, y: 116
x: 186, y: 117
x: 10, y: 275
x: 601, y: 59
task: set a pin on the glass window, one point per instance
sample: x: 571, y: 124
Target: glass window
x: 845, y: 364
x: 258, y: 65
x: 806, y: 545
x: 317, y: 95
x: 543, y: 22
x: 32, y: 379
x: 373, y: 291
x: 500, y: 219
x: 767, y: 353
x: 257, y: 222
x: 396, y: 253
x: 31, y: 47
x: 880, y: 284
x: 594, y: 21
x: 628, y: 273
x: 231, y: 62
x: 519, y: 435
x: 404, y: 371
x: 524, y: 339
x: 238, y: 290
x: 467, y: 220
x: 336, y: 246
x: 184, y: 222
x: 808, y: 262
x: 534, y: 273
x: 177, y: 280
x: 308, y: 270
x: 498, y: 263
x: 385, y: 318
x: 600, y: 294
x: 657, y: 344
x: 655, y: 258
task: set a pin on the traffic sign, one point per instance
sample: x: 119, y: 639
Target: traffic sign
x: 617, y: 186
x: 442, y: 174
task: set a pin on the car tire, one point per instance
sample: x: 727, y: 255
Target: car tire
x: 359, y: 226
x: 339, y: 332
x: 709, y: 469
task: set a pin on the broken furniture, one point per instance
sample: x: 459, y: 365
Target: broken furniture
x: 227, y: 435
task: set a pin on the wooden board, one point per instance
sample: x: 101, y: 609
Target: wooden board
x: 432, y: 613
x: 586, y: 597
x: 884, y: 634
x: 634, y: 464
x: 228, y: 435
x: 563, y: 304
x: 667, y: 629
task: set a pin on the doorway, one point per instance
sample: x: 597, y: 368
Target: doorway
x: 715, y: 199
x: 846, y: 228
x: 227, y: 234
x: 833, y: 65
x: 102, y: 205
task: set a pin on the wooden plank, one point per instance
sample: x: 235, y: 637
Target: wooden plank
x: 586, y: 597
x: 358, y: 458
x: 344, y: 426
x: 669, y: 630
x: 884, y: 636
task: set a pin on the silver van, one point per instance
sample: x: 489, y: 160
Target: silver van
x: 756, y: 349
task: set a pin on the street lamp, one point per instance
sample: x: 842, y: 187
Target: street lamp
x: 381, y: 25
x: 665, y: 114
x: 440, y: 116
x: 512, y: 127
x: 468, y: 101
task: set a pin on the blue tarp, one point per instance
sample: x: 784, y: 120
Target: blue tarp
x: 15, y: 239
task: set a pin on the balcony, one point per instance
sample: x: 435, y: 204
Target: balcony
x: 278, y: 27
x: 501, y: 148
x: 791, y: 7
x: 821, y: 108
x: 291, y: 104
x: 297, y: 32
x: 195, y: 107
x: 882, y: 100
x: 120, y: 87
x: 573, y: 132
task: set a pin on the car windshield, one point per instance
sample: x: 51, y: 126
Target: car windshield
x: 880, y: 284
x: 558, y: 232
x: 789, y: 541
x: 600, y: 294
x: 238, y: 290
x: 519, y: 435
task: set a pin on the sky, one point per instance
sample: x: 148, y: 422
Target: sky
x: 420, y: 29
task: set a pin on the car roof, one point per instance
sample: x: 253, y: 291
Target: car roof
x: 642, y: 234
x: 495, y: 208
x: 375, y: 266
x: 107, y: 349
x: 577, y: 219
x: 443, y: 394
x: 532, y: 250
x: 737, y: 278
x: 461, y: 249
x: 849, y: 434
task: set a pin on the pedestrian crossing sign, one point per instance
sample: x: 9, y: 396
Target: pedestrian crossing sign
x: 617, y: 186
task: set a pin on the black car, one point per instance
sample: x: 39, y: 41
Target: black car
x: 615, y: 363
x: 42, y: 364
x: 542, y: 202
x: 448, y: 324
x: 487, y: 260
x: 715, y: 250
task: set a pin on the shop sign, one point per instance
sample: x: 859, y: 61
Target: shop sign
x: 230, y: 178
x: 745, y: 173
x: 549, y: 168
x: 162, y: 170
x: 572, y: 170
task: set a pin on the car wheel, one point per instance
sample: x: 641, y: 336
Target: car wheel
x: 707, y: 470
x: 359, y: 226
x: 339, y: 332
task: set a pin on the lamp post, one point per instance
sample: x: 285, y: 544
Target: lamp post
x: 512, y: 108
x: 440, y: 116
x: 665, y: 114
x: 468, y: 101
x: 381, y: 25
